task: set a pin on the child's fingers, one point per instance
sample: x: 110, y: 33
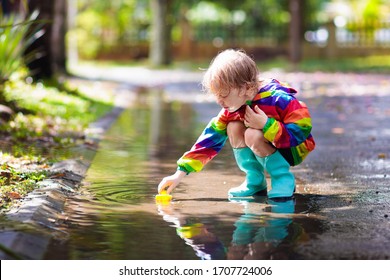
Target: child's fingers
x: 170, y: 188
x: 248, y: 109
x: 259, y: 111
x: 163, y: 185
x: 167, y: 184
x: 248, y: 112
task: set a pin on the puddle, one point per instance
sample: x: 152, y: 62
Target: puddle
x: 115, y: 215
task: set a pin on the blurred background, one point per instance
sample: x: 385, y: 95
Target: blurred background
x: 164, y: 32
x: 66, y: 63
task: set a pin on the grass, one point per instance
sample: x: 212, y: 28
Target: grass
x: 19, y: 176
x: 53, y: 109
x: 50, y: 114
x: 366, y: 64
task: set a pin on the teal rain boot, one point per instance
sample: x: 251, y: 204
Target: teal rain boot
x: 282, y: 180
x: 255, y: 180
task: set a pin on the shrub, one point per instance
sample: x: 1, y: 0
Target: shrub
x: 16, y: 35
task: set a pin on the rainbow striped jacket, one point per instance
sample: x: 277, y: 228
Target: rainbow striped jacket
x: 288, y: 127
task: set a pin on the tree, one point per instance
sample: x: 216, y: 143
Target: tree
x: 50, y: 48
x: 11, y: 6
x: 295, y: 41
x: 160, y: 44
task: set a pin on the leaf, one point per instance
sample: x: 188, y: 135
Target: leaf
x: 16, y: 35
x: 14, y: 195
x: 58, y: 175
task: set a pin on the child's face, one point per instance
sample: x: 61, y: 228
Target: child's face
x: 233, y: 100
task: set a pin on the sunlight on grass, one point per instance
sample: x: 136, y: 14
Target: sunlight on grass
x: 81, y: 107
x: 367, y: 64
x: 52, y: 112
x: 48, y: 116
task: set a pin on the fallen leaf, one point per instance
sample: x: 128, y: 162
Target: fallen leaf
x: 14, y: 195
x: 382, y: 156
x: 58, y: 175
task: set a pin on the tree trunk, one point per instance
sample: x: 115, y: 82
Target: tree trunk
x: 160, y: 45
x: 59, y: 29
x: 50, y: 48
x: 296, y: 8
x: 11, y: 6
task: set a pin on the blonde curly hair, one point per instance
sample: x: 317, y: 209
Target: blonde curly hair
x: 230, y: 69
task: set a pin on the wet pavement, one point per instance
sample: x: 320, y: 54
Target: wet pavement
x: 340, y: 210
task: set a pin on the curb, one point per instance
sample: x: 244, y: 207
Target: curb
x: 42, y: 207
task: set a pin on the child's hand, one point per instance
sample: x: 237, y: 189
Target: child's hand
x: 255, y: 118
x: 170, y: 183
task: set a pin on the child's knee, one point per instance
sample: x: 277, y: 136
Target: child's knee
x: 236, y: 131
x: 255, y: 140
x: 253, y: 137
x: 235, y: 128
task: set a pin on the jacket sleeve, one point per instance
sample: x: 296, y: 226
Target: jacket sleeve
x: 290, y: 124
x: 208, y: 145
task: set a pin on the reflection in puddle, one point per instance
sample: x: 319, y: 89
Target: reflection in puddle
x: 114, y: 216
x: 260, y: 234
x: 267, y: 229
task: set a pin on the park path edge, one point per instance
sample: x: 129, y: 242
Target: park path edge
x: 42, y: 208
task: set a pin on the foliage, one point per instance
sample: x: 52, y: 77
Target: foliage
x: 52, y: 116
x: 204, y: 12
x: 16, y: 35
x: 105, y: 24
x: 108, y: 25
x: 49, y: 114
x: 372, y: 10
x: 14, y: 183
x: 56, y: 111
x: 245, y: 20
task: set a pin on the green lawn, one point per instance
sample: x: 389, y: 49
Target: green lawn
x: 48, y: 115
x: 367, y: 64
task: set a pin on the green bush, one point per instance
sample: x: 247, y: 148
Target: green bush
x: 16, y: 35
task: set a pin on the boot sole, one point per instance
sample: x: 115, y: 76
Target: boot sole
x: 258, y: 193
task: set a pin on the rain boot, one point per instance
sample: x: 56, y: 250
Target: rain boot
x: 255, y: 182
x: 282, y: 180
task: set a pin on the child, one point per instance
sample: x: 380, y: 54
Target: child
x: 268, y: 128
